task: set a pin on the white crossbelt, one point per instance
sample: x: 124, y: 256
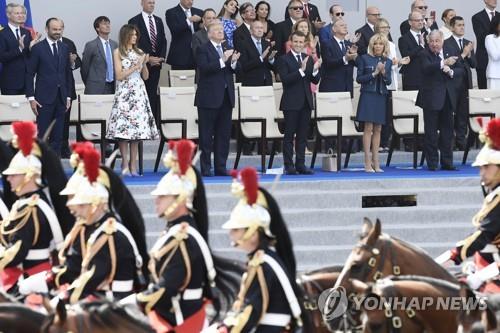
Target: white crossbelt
x: 122, y: 286
x: 275, y: 319
x: 38, y: 254
x: 4, y: 211
x: 192, y: 294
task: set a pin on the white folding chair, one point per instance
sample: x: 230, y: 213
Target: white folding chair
x: 278, y: 93
x: 484, y: 104
x: 258, y: 120
x: 181, y: 78
x: 13, y: 108
x: 236, y: 110
x: 178, y: 117
x: 334, y: 118
x: 73, y: 117
x: 407, y: 121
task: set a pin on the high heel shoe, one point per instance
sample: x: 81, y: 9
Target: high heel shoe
x: 378, y: 169
x: 369, y: 169
x: 135, y: 174
x: 126, y: 172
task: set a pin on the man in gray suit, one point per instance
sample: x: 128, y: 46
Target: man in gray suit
x: 97, y: 61
x: 200, y: 37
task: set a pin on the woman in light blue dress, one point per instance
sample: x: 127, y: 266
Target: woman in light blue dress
x: 228, y: 18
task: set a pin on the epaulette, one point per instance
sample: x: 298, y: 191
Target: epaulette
x: 257, y: 259
x: 110, y: 226
x: 182, y: 233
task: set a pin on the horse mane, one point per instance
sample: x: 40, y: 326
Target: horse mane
x: 425, y: 256
x: 450, y: 286
x: 101, y: 313
x: 22, y: 311
x: 328, y: 269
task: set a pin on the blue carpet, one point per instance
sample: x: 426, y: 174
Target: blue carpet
x: 355, y: 172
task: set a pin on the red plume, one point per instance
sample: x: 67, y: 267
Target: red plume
x: 493, y: 132
x: 185, y: 150
x: 480, y: 121
x: 251, y: 184
x: 80, y: 147
x: 234, y: 173
x: 91, y: 161
x: 26, y: 133
x: 171, y: 144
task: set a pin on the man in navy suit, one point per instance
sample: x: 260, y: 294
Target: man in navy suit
x: 14, y: 48
x: 297, y: 71
x: 215, y: 99
x: 183, y: 21
x: 429, y: 22
x: 51, y: 97
x: 481, y: 24
x: 338, y: 56
x: 437, y: 97
x: 411, y: 44
x: 154, y: 43
x: 284, y: 28
x: 325, y: 33
x: 462, y: 48
x: 311, y: 13
x: 367, y: 31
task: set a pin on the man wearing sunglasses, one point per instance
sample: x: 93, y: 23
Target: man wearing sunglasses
x: 284, y: 28
x: 336, y: 12
x: 429, y: 23
x: 366, y: 32
x: 310, y: 12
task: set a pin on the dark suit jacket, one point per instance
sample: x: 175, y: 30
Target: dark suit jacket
x: 50, y: 76
x: 325, y: 33
x: 200, y: 37
x: 78, y: 62
x: 281, y: 35
x: 313, y: 16
x: 241, y: 36
x: 212, y: 79
x: 336, y: 76
x: 463, y: 66
x: 408, y: 47
x: 254, y: 72
x: 366, y: 66
x: 12, y: 75
x: 366, y: 33
x: 405, y: 27
x: 179, y: 53
x: 145, y: 41
x: 296, y: 89
x: 481, y: 26
x: 436, y: 85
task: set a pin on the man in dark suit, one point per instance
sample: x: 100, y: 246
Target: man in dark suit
x: 200, y: 37
x: 437, y: 97
x: 481, y: 25
x: 411, y: 44
x: 429, y: 22
x: 154, y: 43
x: 366, y: 32
x: 183, y: 21
x: 325, y: 33
x: 97, y: 69
x: 256, y: 58
x: 51, y: 97
x: 297, y: 72
x: 311, y: 12
x: 14, y: 48
x: 338, y: 56
x: 242, y: 33
x: 284, y: 28
x: 215, y: 99
x: 462, y: 48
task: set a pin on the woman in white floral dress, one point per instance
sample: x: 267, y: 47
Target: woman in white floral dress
x: 131, y: 118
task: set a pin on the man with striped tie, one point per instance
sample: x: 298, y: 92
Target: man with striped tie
x: 154, y: 43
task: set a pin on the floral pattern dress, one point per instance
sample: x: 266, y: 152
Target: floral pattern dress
x: 131, y: 117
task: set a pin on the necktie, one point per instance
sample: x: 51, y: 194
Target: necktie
x: 259, y: 47
x: 54, y: 52
x: 188, y: 15
x: 219, y: 51
x: 492, y: 15
x: 418, y: 40
x: 109, y: 64
x: 17, y: 34
x: 461, y: 44
x: 299, y: 59
x: 152, y: 34
x: 306, y: 10
x: 342, y: 47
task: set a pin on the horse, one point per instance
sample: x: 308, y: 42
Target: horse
x: 412, y: 304
x: 479, y: 320
x: 96, y: 317
x: 19, y: 318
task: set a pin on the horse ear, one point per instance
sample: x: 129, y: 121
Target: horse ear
x: 365, y: 228
x: 374, y: 234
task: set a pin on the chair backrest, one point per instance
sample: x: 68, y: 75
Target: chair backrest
x: 356, y: 91
x: 90, y: 108
x: 403, y: 103
x: 80, y: 89
x: 278, y: 92
x: 13, y: 108
x: 181, y: 78
x: 335, y: 104
x: 258, y: 102
x: 483, y: 101
x: 178, y: 103
x: 236, y: 110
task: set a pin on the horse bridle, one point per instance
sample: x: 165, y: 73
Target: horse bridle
x: 368, y: 266
x: 393, y: 321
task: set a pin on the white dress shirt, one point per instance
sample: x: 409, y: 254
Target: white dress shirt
x: 145, y: 17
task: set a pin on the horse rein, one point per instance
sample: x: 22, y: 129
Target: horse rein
x: 372, y: 261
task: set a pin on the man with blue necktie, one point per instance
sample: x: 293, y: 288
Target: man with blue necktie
x: 50, y: 98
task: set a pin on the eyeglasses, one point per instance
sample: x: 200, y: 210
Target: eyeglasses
x: 340, y: 14
x: 297, y: 8
x: 384, y: 27
x: 377, y: 14
x: 422, y: 7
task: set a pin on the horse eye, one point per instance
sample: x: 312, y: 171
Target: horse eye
x: 356, y: 267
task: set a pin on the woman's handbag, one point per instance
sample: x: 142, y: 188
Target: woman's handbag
x: 330, y: 161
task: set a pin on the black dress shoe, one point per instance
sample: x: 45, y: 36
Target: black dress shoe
x: 290, y: 171
x: 207, y: 174
x: 222, y: 173
x: 449, y: 168
x: 305, y: 171
x: 432, y: 168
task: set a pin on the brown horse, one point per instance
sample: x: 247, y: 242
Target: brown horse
x: 420, y: 312
x: 477, y: 320
x: 19, y: 318
x: 96, y: 317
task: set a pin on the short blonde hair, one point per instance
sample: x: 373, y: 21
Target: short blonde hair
x: 379, y: 38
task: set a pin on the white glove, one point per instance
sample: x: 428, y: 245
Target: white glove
x: 130, y: 299
x: 474, y: 281
x: 211, y: 329
x: 477, y: 279
x: 34, y: 284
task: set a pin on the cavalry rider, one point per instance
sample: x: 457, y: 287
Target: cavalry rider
x: 485, y: 241
x: 100, y: 256
x: 252, y: 229
x: 32, y: 229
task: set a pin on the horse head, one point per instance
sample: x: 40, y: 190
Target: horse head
x: 479, y: 314
x: 55, y: 321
